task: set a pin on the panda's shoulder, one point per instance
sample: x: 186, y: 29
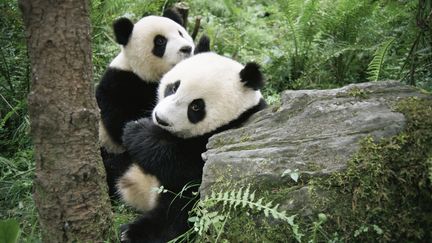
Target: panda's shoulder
x: 115, y: 77
x: 144, y: 134
x: 117, y: 80
x: 139, y: 127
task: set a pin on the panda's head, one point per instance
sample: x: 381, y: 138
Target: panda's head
x: 206, y: 92
x: 152, y: 46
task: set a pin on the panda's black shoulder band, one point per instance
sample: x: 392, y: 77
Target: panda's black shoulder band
x: 262, y: 104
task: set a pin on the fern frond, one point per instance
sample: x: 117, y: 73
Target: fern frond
x: 376, y: 65
x: 238, y: 198
x: 230, y: 5
x: 252, y: 196
x: 244, y: 198
x: 225, y: 197
x: 205, y: 217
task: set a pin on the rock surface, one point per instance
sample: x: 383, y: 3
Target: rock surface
x: 311, y: 133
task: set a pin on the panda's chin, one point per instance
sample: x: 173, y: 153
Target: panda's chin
x: 180, y: 58
x: 185, y: 56
x: 170, y: 130
x: 173, y: 132
x: 166, y: 128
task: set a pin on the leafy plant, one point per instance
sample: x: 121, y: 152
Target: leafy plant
x: 317, y: 226
x: 207, y: 218
x: 292, y: 173
x: 9, y: 231
x: 376, y: 65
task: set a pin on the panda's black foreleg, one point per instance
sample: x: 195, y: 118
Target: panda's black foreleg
x: 162, y: 224
x: 147, y: 228
x: 115, y: 166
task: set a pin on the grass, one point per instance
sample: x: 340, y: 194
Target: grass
x: 16, y: 177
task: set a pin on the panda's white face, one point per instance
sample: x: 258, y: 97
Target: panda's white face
x: 202, y: 94
x: 155, y: 45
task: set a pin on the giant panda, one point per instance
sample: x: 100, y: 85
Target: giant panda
x: 127, y: 90
x: 202, y: 95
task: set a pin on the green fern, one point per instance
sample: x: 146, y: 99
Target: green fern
x: 376, y: 65
x: 230, y: 5
x: 242, y: 198
x: 13, y: 111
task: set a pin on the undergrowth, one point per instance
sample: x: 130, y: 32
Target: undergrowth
x: 16, y: 176
x: 213, y: 214
x: 323, y: 43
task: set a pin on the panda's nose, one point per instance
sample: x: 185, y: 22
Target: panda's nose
x: 160, y: 121
x: 186, y: 50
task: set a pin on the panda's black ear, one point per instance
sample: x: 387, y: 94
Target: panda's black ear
x: 173, y: 15
x: 252, y: 76
x: 122, y: 30
x: 203, y: 45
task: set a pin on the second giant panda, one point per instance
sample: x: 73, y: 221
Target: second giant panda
x: 200, y: 96
x: 127, y: 90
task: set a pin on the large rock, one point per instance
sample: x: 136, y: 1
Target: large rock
x: 312, y: 132
x: 361, y: 154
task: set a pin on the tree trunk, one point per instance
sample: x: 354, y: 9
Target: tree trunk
x: 69, y: 189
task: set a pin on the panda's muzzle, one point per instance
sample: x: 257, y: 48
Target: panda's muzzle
x: 160, y: 121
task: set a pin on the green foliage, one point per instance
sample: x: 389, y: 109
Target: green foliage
x: 376, y: 65
x: 212, y: 214
x: 418, y: 62
x: 123, y: 215
x: 16, y: 175
x: 16, y: 155
x: 294, y: 175
x: 358, y: 93
x: 14, y: 81
x: 9, y: 231
x: 318, y: 43
x: 317, y: 226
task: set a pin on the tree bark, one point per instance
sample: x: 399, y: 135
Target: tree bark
x: 69, y: 188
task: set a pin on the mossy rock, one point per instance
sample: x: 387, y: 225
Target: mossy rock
x: 364, y: 161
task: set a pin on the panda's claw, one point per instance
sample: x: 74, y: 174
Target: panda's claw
x: 124, y: 234
x: 123, y: 237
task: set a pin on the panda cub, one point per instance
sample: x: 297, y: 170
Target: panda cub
x: 127, y: 90
x: 201, y: 96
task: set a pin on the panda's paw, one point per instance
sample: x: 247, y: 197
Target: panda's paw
x: 124, y: 237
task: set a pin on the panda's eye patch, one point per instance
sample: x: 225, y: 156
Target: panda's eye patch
x: 171, y: 88
x: 160, y: 43
x: 196, y: 111
x: 180, y: 33
x: 160, y: 40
